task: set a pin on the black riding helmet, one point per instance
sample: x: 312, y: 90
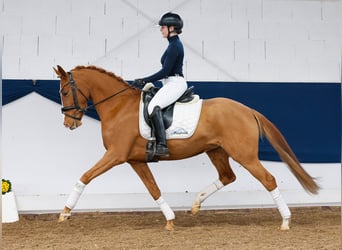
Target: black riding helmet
x: 172, y: 19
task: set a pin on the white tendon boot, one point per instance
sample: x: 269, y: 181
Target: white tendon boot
x: 204, y: 194
x: 72, y: 200
x: 168, y: 213
x: 75, y: 194
x: 283, y: 209
x: 165, y: 208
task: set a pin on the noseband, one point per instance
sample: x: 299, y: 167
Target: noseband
x: 76, y: 105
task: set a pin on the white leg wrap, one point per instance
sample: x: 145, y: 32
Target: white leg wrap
x: 281, y: 204
x: 75, y: 195
x: 167, y: 211
x: 205, y: 193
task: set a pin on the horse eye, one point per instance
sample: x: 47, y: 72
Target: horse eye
x: 65, y: 93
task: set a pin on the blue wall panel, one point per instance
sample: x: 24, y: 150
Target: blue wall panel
x: 308, y: 114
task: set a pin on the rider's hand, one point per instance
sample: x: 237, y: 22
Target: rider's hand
x: 139, y: 83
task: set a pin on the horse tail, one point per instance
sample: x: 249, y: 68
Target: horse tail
x: 279, y: 143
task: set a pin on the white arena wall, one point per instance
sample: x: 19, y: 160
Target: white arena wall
x: 225, y: 40
x: 44, y: 160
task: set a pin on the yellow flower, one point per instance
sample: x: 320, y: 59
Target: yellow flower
x: 6, y: 186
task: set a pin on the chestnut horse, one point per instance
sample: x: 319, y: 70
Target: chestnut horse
x: 226, y: 128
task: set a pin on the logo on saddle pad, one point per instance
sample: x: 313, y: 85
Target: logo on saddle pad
x: 180, y: 119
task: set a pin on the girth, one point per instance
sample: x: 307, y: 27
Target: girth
x: 167, y: 112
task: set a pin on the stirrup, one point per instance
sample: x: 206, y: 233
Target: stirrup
x: 162, y: 150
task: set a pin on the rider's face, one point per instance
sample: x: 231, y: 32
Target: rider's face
x: 164, y: 31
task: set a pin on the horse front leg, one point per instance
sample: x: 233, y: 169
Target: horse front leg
x: 107, y: 162
x: 72, y: 200
x: 145, y: 174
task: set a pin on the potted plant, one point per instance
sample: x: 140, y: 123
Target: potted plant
x: 9, y: 207
x: 6, y: 186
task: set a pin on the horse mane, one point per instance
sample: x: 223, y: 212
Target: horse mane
x: 101, y: 70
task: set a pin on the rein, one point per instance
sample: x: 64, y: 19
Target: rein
x: 76, y: 105
x: 107, y: 98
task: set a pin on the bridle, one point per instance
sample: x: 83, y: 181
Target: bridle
x: 76, y: 105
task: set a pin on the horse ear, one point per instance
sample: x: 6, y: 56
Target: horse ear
x: 60, y: 72
x: 56, y: 71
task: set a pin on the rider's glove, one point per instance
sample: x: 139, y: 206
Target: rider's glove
x: 139, y: 83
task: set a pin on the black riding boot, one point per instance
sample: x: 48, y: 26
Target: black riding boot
x: 159, y: 132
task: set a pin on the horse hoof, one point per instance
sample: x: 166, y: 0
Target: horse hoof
x: 285, y: 225
x: 195, y: 209
x: 169, y: 225
x: 64, y: 217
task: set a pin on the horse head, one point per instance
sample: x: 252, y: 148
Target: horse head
x: 74, y: 101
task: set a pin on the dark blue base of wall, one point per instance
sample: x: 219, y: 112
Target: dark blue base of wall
x: 308, y: 114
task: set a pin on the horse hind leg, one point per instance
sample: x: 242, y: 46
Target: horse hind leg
x: 226, y: 175
x: 269, y: 182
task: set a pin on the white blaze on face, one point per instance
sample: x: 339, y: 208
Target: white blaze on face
x: 61, y: 87
x: 60, y: 93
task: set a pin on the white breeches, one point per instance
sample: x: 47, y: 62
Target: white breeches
x: 173, y: 88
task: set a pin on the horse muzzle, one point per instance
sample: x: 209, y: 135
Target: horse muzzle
x: 72, y: 123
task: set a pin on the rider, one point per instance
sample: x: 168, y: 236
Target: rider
x: 171, y: 73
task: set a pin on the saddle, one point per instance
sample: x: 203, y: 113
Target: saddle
x: 167, y: 113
